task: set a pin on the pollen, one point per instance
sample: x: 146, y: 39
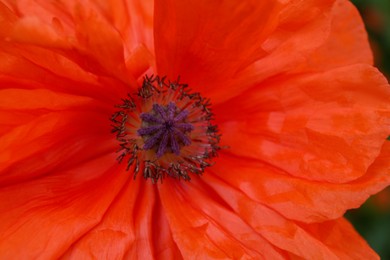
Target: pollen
x: 165, y: 130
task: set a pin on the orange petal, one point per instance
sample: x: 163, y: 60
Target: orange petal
x: 7, y: 19
x: 325, y: 238
x: 28, y: 70
x: 141, y: 29
x: 327, y: 126
x: 56, y: 210
x: 335, y: 38
x: 78, y: 32
x: 133, y: 19
x: 52, y: 141
x: 20, y: 99
x: 300, y: 199
x: 204, y: 229
x: 133, y: 227
x: 191, y: 40
x: 211, y: 58
x: 20, y: 106
x: 346, y: 44
x: 340, y: 236
x: 11, y: 119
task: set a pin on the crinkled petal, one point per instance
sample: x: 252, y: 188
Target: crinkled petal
x: 346, y: 44
x: 335, y: 38
x: 300, y: 199
x: 41, y: 218
x: 79, y: 45
x: 134, y: 231
x: 52, y: 141
x: 76, y: 29
x: 19, y: 106
x: 20, y: 72
x: 326, y: 239
x: 204, y: 229
x: 133, y: 19
x: 20, y: 99
x: 326, y: 126
x: 206, y: 55
x: 340, y: 236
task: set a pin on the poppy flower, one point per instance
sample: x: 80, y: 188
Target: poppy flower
x: 266, y: 122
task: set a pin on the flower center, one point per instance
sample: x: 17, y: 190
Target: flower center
x: 165, y: 130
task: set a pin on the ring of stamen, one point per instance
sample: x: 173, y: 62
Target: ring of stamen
x: 165, y: 130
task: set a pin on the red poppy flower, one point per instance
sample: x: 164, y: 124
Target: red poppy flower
x: 302, y: 113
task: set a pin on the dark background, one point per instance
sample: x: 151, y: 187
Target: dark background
x: 372, y: 220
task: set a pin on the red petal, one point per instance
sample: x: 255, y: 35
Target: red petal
x: 133, y: 227
x: 47, y: 215
x: 210, y: 50
x: 20, y: 99
x: 346, y: 44
x: 328, y: 126
x: 52, y: 141
x: 340, y: 236
x: 326, y: 239
x: 75, y: 40
x: 299, y: 199
x: 204, y: 229
x: 335, y: 38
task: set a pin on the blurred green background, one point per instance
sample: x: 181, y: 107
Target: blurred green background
x: 372, y: 220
